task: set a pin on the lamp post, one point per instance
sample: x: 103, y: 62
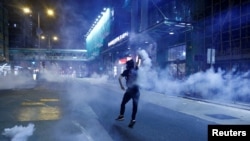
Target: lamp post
x: 26, y: 32
x: 54, y: 38
x: 39, y: 31
x: 50, y: 13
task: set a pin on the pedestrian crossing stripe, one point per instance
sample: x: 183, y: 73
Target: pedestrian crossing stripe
x: 32, y: 103
x: 38, y: 113
x: 41, y: 102
x: 49, y: 100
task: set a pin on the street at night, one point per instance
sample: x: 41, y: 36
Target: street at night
x: 124, y: 70
x: 85, y: 110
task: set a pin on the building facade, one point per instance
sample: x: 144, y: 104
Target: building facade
x: 186, y: 36
x: 225, y: 28
x: 4, y: 34
x: 153, y: 27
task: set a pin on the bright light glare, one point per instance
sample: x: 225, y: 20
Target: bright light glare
x: 42, y: 37
x: 55, y: 38
x: 50, y: 12
x: 183, y: 53
x: 26, y: 10
x: 171, y: 33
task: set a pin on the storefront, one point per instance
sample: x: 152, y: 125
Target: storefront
x: 114, y: 56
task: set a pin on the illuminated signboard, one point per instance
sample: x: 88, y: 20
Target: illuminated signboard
x: 124, y: 60
x: 117, y: 39
x: 98, y: 32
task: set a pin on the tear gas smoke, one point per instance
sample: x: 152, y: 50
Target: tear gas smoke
x: 16, y: 81
x: 52, y: 74
x: 209, y: 84
x: 99, y: 78
x: 19, y: 133
x: 71, y: 28
x: 220, y: 85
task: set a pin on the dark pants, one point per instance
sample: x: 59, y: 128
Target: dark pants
x: 134, y: 94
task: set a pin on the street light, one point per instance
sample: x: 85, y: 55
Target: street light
x: 39, y: 31
x: 53, y: 38
x: 26, y: 31
x: 26, y: 10
x: 50, y: 12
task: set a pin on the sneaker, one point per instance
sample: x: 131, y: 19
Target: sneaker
x: 120, y: 118
x: 131, y: 124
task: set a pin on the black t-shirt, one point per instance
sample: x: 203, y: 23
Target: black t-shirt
x: 130, y: 76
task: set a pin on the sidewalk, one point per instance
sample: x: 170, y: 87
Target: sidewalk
x: 235, y: 104
x: 220, y: 113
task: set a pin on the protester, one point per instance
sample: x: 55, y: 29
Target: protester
x: 132, y: 91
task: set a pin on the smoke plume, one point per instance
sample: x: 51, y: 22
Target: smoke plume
x: 19, y: 133
x: 210, y: 84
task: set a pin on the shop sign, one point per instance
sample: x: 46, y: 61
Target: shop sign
x: 118, y: 39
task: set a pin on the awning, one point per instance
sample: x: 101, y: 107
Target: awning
x: 167, y: 27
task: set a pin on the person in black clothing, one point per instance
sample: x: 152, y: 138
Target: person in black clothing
x: 132, y: 91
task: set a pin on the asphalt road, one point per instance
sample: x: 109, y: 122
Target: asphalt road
x: 85, y: 110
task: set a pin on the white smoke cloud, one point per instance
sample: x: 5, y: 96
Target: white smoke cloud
x: 220, y: 85
x: 209, y: 84
x: 19, y: 133
x: 97, y: 78
x: 12, y: 81
x: 52, y: 74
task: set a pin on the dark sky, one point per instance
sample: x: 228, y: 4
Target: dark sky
x: 77, y: 16
x: 73, y: 18
x: 81, y: 13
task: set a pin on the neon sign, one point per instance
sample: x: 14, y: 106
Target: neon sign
x: 117, y: 39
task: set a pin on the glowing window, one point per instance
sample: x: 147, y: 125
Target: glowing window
x: 177, y: 53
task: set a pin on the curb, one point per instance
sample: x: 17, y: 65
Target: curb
x: 239, y: 105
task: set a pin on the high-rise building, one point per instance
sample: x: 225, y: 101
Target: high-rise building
x: 20, y: 25
x: 4, y: 38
